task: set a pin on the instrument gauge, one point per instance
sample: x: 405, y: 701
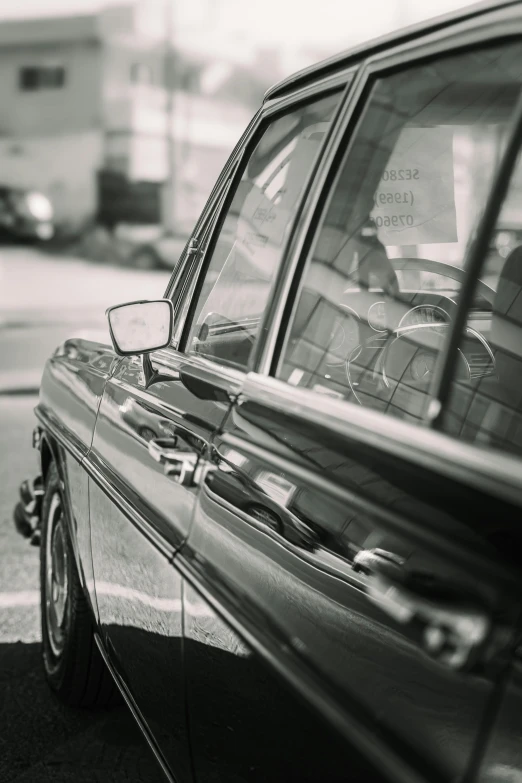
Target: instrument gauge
x: 425, y: 314
x: 377, y: 317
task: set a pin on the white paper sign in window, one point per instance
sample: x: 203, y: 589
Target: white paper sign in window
x: 415, y: 199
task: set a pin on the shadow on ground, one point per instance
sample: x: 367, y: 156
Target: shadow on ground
x: 43, y: 741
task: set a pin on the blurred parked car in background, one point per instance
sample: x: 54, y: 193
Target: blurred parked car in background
x: 25, y: 214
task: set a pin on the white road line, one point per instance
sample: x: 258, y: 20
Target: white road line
x: 137, y: 596
x: 20, y: 598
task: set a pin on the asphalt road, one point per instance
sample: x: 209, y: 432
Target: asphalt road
x: 42, y: 301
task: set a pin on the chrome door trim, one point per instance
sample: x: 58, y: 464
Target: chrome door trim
x: 136, y: 714
x: 304, y: 220
x: 173, y: 360
x: 64, y: 436
x: 97, y: 470
x: 435, y: 451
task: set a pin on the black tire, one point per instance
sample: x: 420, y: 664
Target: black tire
x: 74, y: 667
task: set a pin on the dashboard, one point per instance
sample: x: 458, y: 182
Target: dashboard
x: 387, y: 347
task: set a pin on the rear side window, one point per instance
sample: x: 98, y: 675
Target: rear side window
x: 382, y: 284
x: 253, y: 233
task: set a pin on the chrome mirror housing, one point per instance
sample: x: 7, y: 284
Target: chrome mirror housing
x: 141, y: 327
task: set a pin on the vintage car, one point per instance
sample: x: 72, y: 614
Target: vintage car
x: 280, y: 507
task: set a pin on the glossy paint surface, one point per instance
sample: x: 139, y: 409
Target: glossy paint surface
x: 139, y: 517
x: 139, y: 595
x: 70, y: 395
x: 245, y: 724
x: 72, y: 386
x: 300, y: 561
x: 501, y: 760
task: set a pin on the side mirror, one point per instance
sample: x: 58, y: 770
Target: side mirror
x: 141, y: 327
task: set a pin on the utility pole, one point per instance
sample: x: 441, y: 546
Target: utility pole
x: 169, y: 193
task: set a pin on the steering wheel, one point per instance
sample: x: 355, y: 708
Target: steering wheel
x: 442, y: 269
x: 397, y: 369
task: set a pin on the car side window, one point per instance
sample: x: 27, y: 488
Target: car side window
x: 251, y: 238
x: 485, y: 401
x: 381, y: 284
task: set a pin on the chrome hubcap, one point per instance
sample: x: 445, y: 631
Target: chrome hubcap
x: 56, y: 575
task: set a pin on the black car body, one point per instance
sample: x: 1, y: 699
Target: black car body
x: 25, y: 214
x: 339, y: 384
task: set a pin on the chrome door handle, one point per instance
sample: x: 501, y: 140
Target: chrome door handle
x: 452, y: 630
x: 185, y: 467
x: 163, y: 449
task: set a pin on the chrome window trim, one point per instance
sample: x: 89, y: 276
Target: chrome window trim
x: 173, y: 360
x: 486, y: 30
x: 304, y: 222
x: 182, y: 304
x: 507, y: 23
x: 213, y: 200
x: 325, y: 84
x: 207, y: 228
x: 415, y: 31
x: 434, y: 450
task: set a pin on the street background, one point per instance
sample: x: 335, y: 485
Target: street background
x: 44, y: 300
x: 126, y: 138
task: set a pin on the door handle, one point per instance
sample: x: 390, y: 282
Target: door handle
x: 185, y: 467
x: 452, y: 628
x: 163, y: 449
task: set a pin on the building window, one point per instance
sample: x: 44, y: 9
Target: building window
x: 41, y: 77
x: 141, y: 73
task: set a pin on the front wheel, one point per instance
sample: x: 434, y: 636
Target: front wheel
x: 73, y: 664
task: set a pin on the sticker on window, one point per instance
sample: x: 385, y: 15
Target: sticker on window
x: 415, y: 199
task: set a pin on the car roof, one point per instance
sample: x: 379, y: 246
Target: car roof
x: 403, y: 35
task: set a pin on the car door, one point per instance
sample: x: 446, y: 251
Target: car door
x: 338, y: 546
x: 226, y: 324
x: 140, y: 512
x: 148, y: 438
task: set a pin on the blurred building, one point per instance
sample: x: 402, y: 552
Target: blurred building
x: 87, y: 105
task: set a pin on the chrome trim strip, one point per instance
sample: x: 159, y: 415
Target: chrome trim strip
x: 401, y: 524
x: 435, y: 25
x: 496, y: 23
x: 291, y: 667
x: 139, y: 522
x: 62, y: 435
x: 435, y: 451
x: 333, y: 81
x: 293, y: 251
x: 136, y: 714
x: 213, y: 199
x: 174, y: 361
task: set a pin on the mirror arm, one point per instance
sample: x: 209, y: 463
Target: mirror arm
x: 150, y: 374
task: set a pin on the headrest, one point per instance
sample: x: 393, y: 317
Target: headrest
x: 506, y: 326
